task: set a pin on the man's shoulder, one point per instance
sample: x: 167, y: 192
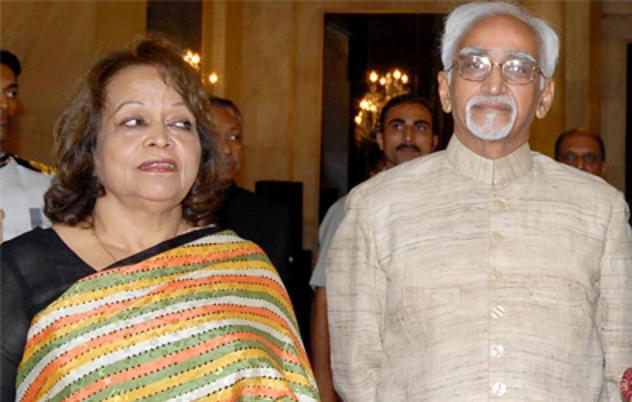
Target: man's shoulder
x: 255, y: 200
x: 18, y: 171
x: 402, y: 175
x: 34, y: 166
x: 243, y: 202
x: 568, y: 177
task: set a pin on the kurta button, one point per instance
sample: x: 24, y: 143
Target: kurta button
x: 496, y: 275
x: 499, y: 389
x: 498, y: 205
x: 498, y: 311
x: 496, y: 350
x: 496, y: 237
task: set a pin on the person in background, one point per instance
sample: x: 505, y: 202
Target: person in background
x: 405, y: 133
x: 252, y: 216
x: 583, y: 150
x: 486, y: 271
x: 134, y: 293
x: 23, y: 182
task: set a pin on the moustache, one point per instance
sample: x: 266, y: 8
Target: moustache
x: 413, y: 147
x: 500, y: 99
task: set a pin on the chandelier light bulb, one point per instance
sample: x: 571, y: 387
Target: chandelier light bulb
x: 397, y: 74
x: 373, y: 76
x: 382, y: 81
x: 405, y: 79
x: 213, y: 78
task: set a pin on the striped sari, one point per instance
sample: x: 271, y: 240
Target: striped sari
x: 205, y: 320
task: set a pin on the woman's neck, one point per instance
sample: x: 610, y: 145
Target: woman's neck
x: 123, y: 232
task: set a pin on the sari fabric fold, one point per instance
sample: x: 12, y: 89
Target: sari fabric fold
x: 206, y: 320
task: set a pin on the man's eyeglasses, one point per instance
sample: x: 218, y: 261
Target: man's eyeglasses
x: 517, y: 70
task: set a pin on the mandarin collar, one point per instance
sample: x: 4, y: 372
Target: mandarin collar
x: 496, y: 172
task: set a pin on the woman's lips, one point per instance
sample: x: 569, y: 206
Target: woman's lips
x: 158, y: 166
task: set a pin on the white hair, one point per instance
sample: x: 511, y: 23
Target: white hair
x: 463, y: 17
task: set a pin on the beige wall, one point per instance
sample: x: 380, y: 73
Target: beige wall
x: 269, y: 55
x: 56, y: 41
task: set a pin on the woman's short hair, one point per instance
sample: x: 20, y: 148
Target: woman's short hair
x: 75, y: 189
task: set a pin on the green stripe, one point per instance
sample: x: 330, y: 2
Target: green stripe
x: 174, y: 347
x: 135, y: 312
x: 187, y: 365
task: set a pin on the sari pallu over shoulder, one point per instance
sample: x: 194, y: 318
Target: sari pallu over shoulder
x: 208, y: 320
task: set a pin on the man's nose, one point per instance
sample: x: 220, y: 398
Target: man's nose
x: 495, y: 82
x: 409, y: 133
x: 4, y: 101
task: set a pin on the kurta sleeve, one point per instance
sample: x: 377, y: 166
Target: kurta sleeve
x: 615, y: 303
x: 355, y: 298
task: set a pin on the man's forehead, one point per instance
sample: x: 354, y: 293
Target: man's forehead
x: 578, y: 139
x: 7, y: 75
x: 406, y: 109
x: 500, y: 33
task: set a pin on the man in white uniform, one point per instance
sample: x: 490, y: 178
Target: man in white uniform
x: 485, y: 271
x: 22, y: 185
x: 405, y: 133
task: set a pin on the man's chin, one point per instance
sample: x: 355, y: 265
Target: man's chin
x: 407, y: 156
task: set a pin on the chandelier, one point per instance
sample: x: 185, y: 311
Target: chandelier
x: 381, y: 89
x: 195, y: 60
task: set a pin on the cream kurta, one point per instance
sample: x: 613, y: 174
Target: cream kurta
x: 458, y: 278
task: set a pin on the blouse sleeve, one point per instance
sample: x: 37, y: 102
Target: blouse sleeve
x: 15, y: 323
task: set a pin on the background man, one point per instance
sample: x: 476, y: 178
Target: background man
x: 406, y: 132
x: 582, y: 150
x: 251, y: 216
x: 22, y: 184
x: 475, y: 273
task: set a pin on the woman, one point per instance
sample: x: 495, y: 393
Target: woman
x: 132, y: 295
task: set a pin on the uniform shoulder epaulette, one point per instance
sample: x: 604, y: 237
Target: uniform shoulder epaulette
x: 34, y: 165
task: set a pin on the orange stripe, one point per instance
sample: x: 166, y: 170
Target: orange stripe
x: 157, y: 322
x: 165, y: 362
x: 113, y: 308
x: 153, y: 263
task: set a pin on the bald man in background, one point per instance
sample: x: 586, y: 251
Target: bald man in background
x: 582, y: 150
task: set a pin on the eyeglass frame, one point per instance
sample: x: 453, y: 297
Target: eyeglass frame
x: 474, y: 52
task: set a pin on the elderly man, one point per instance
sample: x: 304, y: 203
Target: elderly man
x: 583, y: 150
x: 405, y: 133
x: 486, y: 270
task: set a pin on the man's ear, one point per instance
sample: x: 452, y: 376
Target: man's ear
x: 379, y: 138
x: 444, y: 91
x: 546, y: 98
x: 435, y: 141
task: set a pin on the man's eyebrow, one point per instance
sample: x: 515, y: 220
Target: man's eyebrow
x: 11, y: 86
x: 521, y: 54
x: 466, y: 51
x: 477, y: 51
x: 395, y: 119
x: 422, y: 121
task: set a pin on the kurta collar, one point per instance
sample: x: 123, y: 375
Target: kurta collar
x: 490, y: 171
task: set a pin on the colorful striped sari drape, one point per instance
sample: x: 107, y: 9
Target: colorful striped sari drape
x: 209, y: 320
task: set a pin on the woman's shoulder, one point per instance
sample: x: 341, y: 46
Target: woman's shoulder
x: 29, y: 243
